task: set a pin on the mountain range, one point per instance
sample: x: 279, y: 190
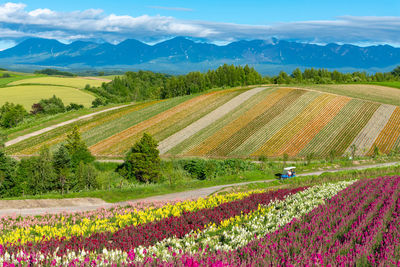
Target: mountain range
x: 181, y: 52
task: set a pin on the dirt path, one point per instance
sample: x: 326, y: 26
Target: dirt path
x: 29, y: 135
x: 45, y: 206
x: 203, y: 122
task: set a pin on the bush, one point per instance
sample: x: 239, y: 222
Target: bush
x: 11, y: 115
x: 207, y: 169
x: 74, y: 106
x: 52, y: 105
x: 143, y: 161
x: 99, y: 102
x: 6, y: 75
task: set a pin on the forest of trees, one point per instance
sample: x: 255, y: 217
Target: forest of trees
x: 143, y: 85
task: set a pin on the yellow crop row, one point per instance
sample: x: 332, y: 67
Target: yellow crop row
x: 86, y: 227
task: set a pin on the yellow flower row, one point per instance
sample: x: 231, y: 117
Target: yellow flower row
x: 87, y: 227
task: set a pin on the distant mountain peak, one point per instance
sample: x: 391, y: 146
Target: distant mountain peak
x: 183, y: 50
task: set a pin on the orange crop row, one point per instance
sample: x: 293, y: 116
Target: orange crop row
x: 389, y: 135
x: 131, y: 132
x: 306, y: 134
x: 227, y: 131
x: 273, y: 145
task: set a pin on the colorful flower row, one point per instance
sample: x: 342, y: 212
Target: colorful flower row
x: 146, y: 234
x: 358, y: 227
x: 86, y: 224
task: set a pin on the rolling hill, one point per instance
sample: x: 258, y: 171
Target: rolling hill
x: 267, y: 121
x: 27, y: 89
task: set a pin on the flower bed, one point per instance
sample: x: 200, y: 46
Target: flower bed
x: 359, y: 226
x: 346, y: 223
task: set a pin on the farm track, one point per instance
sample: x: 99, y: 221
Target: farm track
x: 272, y: 146
x: 230, y: 129
x: 366, y: 138
x: 252, y: 126
x: 47, y: 129
x: 205, y: 121
x: 254, y: 141
x: 55, y: 137
x: 195, y: 140
x: 185, y: 195
x: 389, y: 135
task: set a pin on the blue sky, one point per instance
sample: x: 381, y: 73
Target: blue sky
x: 220, y: 21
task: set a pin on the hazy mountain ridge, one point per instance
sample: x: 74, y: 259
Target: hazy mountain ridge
x: 46, y: 52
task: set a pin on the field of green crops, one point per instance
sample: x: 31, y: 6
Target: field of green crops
x: 270, y: 121
x: 77, y: 82
x: 26, y: 89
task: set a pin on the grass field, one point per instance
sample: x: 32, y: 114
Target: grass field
x: 388, y: 84
x: 381, y: 93
x: 26, y: 95
x: 77, y: 82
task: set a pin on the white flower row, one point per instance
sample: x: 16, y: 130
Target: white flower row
x: 231, y: 234
x: 241, y: 230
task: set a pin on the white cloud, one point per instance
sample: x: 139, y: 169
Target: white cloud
x: 17, y: 22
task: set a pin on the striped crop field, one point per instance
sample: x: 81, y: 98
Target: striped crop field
x: 265, y: 121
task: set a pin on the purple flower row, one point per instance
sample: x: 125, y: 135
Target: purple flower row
x: 359, y: 226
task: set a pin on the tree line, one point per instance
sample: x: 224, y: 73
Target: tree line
x: 144, y: 85
x: 68, y: 169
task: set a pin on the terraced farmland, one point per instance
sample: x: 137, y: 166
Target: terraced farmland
x: 240, y: 123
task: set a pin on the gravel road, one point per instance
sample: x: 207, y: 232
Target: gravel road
x: 92, y: 204
x: 24, y: 137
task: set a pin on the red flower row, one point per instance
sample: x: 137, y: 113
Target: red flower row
x: 149, y: 234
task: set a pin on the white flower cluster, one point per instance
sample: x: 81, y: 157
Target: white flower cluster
x: 241, y: 231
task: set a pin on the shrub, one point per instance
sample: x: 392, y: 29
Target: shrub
x: 11, y: 114
x: 74, y: 106
x: 143, y: 161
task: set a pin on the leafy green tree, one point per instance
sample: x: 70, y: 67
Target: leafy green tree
x: 77, y: 148
x: 44, y: 176
x: 142, y: 161
x: 86, y: 177
x: 8, y: 183
x: 62, y: 166
x: 396, y: 71
x: 297, y: 75
x: 52, y: 105
x: 11, y: 115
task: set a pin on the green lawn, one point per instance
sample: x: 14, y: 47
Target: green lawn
x: 26, y: 95
x: 77, y: 82
x: 388, y: 84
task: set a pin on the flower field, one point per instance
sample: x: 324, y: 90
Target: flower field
x: 239, y: 123
x: 345, y: 223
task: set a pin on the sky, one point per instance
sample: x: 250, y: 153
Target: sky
x: 366, y: 22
